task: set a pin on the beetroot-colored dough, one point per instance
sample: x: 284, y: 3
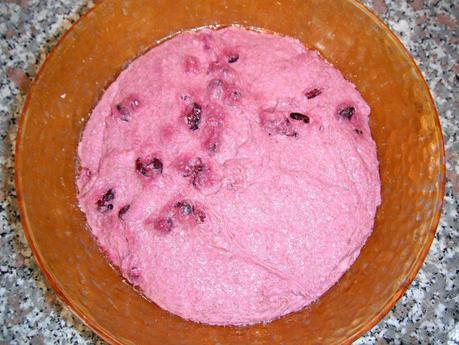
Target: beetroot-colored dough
x: 210, y: 196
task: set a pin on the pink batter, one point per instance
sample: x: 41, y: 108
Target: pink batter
x: 230, y: 175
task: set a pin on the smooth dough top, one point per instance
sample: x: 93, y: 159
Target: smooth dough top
x: 230, y: 175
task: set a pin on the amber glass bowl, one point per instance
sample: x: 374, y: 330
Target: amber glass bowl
x: 404, y: 123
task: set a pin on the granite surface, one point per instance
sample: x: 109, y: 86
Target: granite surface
x: 29, y: 310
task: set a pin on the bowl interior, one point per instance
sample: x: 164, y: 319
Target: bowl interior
x: 404, y: 123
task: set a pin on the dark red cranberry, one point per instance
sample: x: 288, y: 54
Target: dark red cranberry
x: 313, y: 93
x: 184, y: 207
x: 103, y: 204
x: 193, y: 117
x: 346, y: 112
x: 127, y: 107
x: 232, y: 58
x: 236, y: 95
x: 108, y: 196
x: 150, y: 167
x: 299, y: 117
x: 211, y: 146
x: 123, y: 210
x: 164, y: 224
x: 194, y: 167
x: 104, y: 208
x: 199, y: 216
x: 199, y: 173
x: 233, y: 96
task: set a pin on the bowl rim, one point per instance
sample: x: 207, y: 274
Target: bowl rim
x: 101, y: 331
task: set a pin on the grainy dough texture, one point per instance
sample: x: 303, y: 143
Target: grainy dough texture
x: 230, y: 175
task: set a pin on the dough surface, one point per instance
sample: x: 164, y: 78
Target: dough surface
x: 230, y: 175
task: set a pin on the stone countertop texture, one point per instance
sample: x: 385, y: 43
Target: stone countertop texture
x: 30, y: 312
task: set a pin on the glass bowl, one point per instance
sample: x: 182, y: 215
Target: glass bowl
x: 90, y: 55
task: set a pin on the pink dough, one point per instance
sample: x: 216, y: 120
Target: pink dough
x: 230, y: 175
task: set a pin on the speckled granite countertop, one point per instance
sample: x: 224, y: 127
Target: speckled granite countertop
x: 29, y: 310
